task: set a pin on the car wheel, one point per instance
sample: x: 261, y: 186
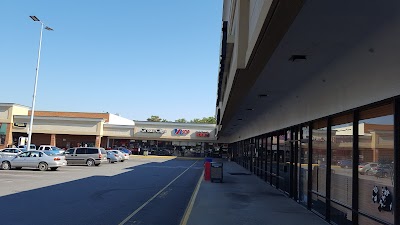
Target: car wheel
x: 54, y: 168
x: 43, y: 166
x: 109, y: 160
x: 18, y: 168
x: 5, y: 165
x: 90, y: 162
x: 122, y: 160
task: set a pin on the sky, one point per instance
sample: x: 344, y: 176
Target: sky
x: 128, y: 57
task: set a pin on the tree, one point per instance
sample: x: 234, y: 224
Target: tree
x: 154, y: 119
x: 182, y: 120
x: 208, y: 120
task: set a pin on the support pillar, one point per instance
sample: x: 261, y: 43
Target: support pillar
x: 98, y: 141
x: 53, y: 140
x: 9, y: 136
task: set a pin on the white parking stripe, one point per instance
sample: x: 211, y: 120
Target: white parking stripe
x: 154, y: 196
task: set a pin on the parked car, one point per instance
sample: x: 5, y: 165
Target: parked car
x: 112, y: 157
x: 137, y: 151
x: 125, y: 150
x: 51, y: 148
x: 367, y: 168
x: 33, y: 159
x: 164, y: 152
x: 122, y: 156
x: 90, y: 156
x: 24, y: 148
x: 345, y: 163
x: 383, y: 170
x: 8, y: 152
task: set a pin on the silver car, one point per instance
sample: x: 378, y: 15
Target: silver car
x: 33, y: 159
x: 121, y: 156
x: 86, y: 155
x: 10, y: 152
x: 112, y: 157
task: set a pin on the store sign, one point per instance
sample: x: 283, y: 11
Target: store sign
x: 181, y: 131
x: 202, y: 134
x: 151, y: 130
x: 20, y: 124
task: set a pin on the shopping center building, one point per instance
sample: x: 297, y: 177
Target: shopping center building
x: 72, y: 129
x: 308, y: 98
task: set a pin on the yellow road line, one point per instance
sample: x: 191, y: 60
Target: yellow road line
x: 154, y: 196
x: 189, y: 208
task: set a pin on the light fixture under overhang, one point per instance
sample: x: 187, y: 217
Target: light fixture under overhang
x: 297, y: 57
x: 249, y: 109
x: 263, y: 95
x: 240, y: 119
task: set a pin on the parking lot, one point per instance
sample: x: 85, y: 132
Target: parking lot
x: 142, y: 190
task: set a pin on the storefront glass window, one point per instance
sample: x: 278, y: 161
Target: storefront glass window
x: 341, y: 169
x: 268, y: 162
x: 275, y: 159
x: 319, y: 164
x: 3, y: 130
x: 284, y: 162
x: 376, y: 145
x: 303, y: 166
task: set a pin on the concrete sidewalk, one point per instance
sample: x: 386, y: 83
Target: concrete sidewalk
x: 246, y: 199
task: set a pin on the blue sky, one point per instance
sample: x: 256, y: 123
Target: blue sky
x: 135, y: 58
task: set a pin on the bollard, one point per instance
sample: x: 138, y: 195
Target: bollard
x: 207, y: 171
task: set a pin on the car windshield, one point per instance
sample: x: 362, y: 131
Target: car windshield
x: 55, y: 149
x: 50, y: 153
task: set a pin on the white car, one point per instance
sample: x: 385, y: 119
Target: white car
x: 124, y: 155
x: 34, y: 159
x: 121, y: 155
x: 7, y: 152
x: 51, y: 148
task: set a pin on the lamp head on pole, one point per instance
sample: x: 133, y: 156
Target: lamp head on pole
x: 34, y: 18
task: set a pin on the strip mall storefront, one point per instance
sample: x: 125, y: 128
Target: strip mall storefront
x: 73, y: 129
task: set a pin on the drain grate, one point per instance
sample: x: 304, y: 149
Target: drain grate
x: 240, y: 173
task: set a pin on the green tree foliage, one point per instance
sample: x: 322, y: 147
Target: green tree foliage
x: 182, y: 120
x: 208, y: 120
x: 154, y: 119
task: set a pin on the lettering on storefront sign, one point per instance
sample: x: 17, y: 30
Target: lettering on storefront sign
x: 202, y: 134
x: 149, y: 130
x: 19, y: 124
x: 181, y: 131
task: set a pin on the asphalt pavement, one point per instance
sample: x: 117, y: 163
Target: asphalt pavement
x: 138, y: 191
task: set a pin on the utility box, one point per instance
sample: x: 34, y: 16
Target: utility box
x: 216, y: 171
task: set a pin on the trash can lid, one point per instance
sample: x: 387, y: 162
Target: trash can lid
x: 216, y: 164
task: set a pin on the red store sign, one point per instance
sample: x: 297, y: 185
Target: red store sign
x: 202, y: 134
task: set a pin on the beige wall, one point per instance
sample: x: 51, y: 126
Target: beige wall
x: 72, y: 126
x: 5, y: 114
x: 119, y: 131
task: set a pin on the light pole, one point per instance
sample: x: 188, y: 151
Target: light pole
x: 34, y: 18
